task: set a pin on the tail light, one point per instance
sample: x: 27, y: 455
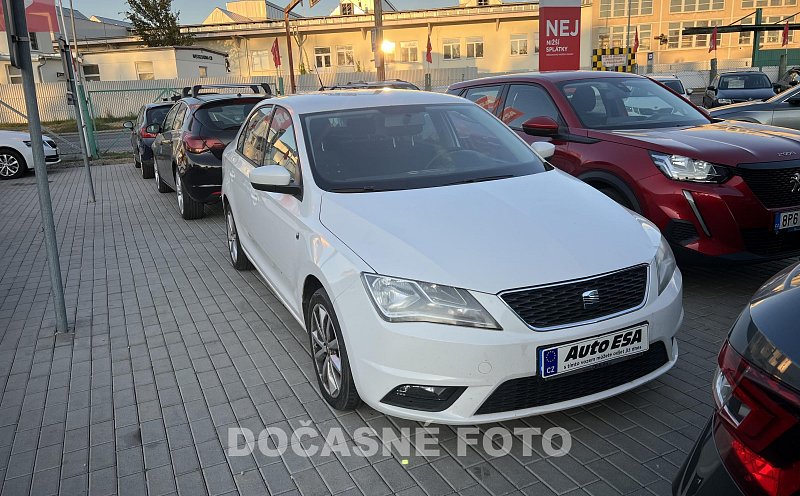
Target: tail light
x: 145, y: 134
x: 197, y: 144
x: 757, y: 427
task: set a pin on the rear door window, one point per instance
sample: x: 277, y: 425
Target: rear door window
x: 526, y: 101
x: 156, y: 115
x: 224, y: 116
x: 487, y: 97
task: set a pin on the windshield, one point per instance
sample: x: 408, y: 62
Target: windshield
x: 225, y: 116
x: 157, y: 114
x: 674, y: 85
x: 413, y: 146
x: 629, y: 103
x: 745, y: 82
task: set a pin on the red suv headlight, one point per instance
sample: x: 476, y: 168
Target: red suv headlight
x: 683, y: 168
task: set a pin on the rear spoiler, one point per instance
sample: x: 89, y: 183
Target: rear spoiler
x: 194, y: 91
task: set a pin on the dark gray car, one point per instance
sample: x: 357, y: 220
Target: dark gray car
x: 781, y: 110
x: 735, y: 87
x: 141, y: 140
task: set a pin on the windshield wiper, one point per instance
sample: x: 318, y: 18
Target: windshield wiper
x: 480, y: 179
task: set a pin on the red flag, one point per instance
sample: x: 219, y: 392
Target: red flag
x: 41, y: 16
x: 785, y: 34
x: 712, y: 46
x: 636, y: 41
x: 276, y: 53
x: 428, y: 54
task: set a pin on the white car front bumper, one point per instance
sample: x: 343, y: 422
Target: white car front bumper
x: 385, y: 355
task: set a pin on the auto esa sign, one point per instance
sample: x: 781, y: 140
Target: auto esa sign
x: 559, y: 35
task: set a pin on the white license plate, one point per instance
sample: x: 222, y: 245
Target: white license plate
x: 569, y: 357
x: 787, y: 220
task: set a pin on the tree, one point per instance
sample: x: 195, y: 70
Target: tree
x: 156, y: 23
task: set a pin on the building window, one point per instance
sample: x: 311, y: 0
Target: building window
x: 678, y: 40
x: 34, y: 41
x: 203, y: 70
x: 451, y: 49
x: 322, y: 57
x: 749, y: 4
x: 91, y: 72
x: 746, y: 38
x: 777, y: 36
x: 408, y: 51
x: 474, y: 48
x: 615, y: 37
x: 144, y: 71
x: 261, y: 60
x: 519, y: 44
x: 483, y: 3
x: 14, y: 75
x: 618, y: 8
x: 344, y: 55
x: 346, y: 8
x: 677, y: 6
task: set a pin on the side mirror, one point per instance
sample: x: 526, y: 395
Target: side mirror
x: 540, y: 126
x: 776, y: 87
x: 712, y: 89
x: 544, y: 149
x: 794, y: 82
x: 127, y: 124
x: 273, y: 179
x: 689, y: 91
x: 153, y: 128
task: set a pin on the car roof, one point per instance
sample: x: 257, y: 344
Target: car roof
x: 740, y: 73
x: 158, y: 104
x: 217, y: 97
x: 554, y: 76
x: 332, y: 100
x: 659, y: 78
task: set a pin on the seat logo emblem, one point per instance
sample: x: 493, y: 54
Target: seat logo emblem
x: 590, y: 298
x: 794, y: 182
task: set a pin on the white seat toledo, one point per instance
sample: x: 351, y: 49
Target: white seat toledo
x: 444, y: 272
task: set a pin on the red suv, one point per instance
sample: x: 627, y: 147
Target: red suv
x: 729, y: 190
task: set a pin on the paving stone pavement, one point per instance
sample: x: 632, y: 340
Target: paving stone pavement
x: 172, y: 347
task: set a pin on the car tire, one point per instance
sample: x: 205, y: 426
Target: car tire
x: 12, y: 164
x: 617, y: 196
x: 136, y: 162
x: 189, y: 208
x: 238, y: 257
x: 160, y: 184
x: 328, y: 350
x: 148, y: 170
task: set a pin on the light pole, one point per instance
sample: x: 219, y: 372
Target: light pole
x: 380, y: 66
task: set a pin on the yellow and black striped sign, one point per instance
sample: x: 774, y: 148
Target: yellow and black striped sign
x: 613, y: 59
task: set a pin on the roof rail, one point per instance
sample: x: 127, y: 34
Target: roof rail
x: 195, y: 91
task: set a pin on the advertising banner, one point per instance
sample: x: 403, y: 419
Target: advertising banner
x: 559, y: 35
x: 41, y: 15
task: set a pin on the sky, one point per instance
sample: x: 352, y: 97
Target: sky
x: 194, y: 11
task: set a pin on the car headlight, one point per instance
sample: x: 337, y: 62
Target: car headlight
x: 665, y: 264
x: 724, y: 101
x: 402, y: 300
x: 688, y: 169
x: 665, y: 260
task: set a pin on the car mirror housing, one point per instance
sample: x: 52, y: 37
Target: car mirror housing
x: 273, y: 179
x: 712, y: 89
x: 153, y: 128
x: 689, y: 91
x: 540, y: 126
x: 127, y: 124
x: 544, y: 149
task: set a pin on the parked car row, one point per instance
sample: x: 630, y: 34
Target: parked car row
x: 396, y: 224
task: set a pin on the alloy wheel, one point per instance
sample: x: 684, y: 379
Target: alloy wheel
x: 9, y: 165
x: 325, y: 348
x: 233, y: 249
x: 179, y: 191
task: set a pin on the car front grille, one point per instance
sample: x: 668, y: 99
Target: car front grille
x: 773, y: 186
x: 530, y: 392
x: 51, y: 158
x: 563, y: 304
x: 768, y: 243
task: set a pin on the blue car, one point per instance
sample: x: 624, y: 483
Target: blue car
x: 141, y: 140
x: 736, y: 87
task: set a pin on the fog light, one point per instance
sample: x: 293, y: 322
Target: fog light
x: 424, y: 398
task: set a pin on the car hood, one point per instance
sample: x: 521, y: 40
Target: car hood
x: 735, y: 108
x: 17, y: 135
x: 742, y: 94
x: 727, y: 143
x: 490, y: 236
